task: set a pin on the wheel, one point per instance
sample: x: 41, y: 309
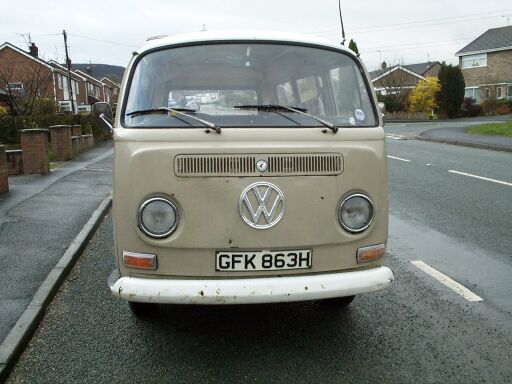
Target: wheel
x: 142, y: 310
x: 339, y: 301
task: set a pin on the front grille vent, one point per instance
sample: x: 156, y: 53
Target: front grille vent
x: 318, y: 164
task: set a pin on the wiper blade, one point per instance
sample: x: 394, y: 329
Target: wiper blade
x: 174, y: 112
x: 277, y: 107
x: 158, y: 110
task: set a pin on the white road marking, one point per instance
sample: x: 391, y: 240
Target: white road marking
x: 395, y: 137
x: 480, y: 177
x: 398, y: 158
x: 450, y: 283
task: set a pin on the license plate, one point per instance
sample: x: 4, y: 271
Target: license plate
x: 263, y: 260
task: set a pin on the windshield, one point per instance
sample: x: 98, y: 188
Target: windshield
x: 213, y: 79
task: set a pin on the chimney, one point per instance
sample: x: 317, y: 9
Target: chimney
x: 88, y: 70
x: 33, y: 50
x: 384, y: 65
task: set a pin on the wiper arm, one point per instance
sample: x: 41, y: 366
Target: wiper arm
x: 174, y: 112
x: 302, y: 111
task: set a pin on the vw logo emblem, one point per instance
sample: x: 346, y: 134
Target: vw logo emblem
x: 261, y: 205
x: 261, y: 165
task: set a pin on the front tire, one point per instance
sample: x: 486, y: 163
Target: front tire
x: 339, y: 301
x: 142, y: 310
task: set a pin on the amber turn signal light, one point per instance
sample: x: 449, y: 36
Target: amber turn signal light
x: 139, y: 260
x: 371, y: 253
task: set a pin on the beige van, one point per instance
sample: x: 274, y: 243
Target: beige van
x: 249, y: 168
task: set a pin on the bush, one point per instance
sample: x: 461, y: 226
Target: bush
x: 45, y: 106
x: 10, y: 126
x: 470, y: 108
x: 504, y: 107
x: 391, y: 102
x: 489, y: 106
x: 451, y: 96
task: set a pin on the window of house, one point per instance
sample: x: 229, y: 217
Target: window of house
x: 74, y: 86
x: 472, y: 61
x: 59, y: 80
x: 487, y: 93
x: 16, y: 88
x: 499, y: 93
x: 509, y: 92
x: 473, y: 93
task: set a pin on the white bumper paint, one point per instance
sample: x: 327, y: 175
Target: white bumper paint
x: 251, y: 290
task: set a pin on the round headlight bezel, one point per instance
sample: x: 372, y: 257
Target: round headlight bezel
x: 370, y: 221
x: 142, y: 226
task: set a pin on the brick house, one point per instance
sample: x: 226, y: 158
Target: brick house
x: 93, y: 87
x: 111, y: 90
x: 78, y: 87
x: 486, y: 64
x: 399, y: 78
x: 24, y: 74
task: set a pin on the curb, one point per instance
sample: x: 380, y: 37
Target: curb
x: 21, y: 333
x: 493, y: 147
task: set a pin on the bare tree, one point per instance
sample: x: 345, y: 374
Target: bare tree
x: 396, y: 81
x: 24, y: 86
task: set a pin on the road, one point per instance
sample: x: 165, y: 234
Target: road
x: 450, y: 208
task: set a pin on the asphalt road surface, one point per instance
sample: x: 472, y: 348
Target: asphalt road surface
x: 450, y: 209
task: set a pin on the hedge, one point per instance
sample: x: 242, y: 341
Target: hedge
x: 10, y: 126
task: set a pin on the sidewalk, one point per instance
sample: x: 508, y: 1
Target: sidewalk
x: 458, y: 136
x: 39, y: 219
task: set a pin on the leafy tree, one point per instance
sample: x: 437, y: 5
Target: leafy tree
x: 353, y: 46
x: 451, y: 96
x: 423, y: 96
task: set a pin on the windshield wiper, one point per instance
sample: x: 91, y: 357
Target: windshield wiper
x: 276, y: 107
x: 176, y: 111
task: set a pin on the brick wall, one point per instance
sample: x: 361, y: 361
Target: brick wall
x: 34, y: 144
x: 4, y: 181
x: 14, y: 161
x: 61, y: 142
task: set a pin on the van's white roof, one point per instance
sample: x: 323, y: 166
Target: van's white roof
x: 238, y: 35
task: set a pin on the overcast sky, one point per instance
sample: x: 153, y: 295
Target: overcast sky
x: 392, y: 30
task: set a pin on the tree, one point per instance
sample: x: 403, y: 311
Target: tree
x: 423, y: 96
x: 395, y: 81
x: 24, y: 86
x: 353, y: 46
x: 451, y: 96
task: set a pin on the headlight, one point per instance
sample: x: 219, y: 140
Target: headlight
x: 158, y: 217
x: 356, y: 213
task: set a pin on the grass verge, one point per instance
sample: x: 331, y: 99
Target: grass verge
x: 494, y: 129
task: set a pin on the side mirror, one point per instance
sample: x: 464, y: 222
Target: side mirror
x: 103, y: 115
x: 382, y: 108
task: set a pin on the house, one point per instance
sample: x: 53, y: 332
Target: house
x: 24, y: 77
x: 93, y: 87
x: 486, y: 64
x: 111, y: 90
x: 397, y: 78
x: 78, y: 88
x: 27, y: 76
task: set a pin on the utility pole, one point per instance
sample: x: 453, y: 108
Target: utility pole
x: 68, y: 65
